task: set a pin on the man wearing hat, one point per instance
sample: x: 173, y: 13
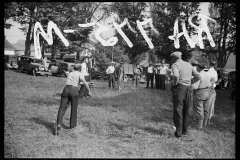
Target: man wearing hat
x: 83, y: 91
x: 111, y: 75
x: 193, y: 87
x: 201, y: 97
x: 182, y: 73
x: 150, y: 75
x: 212, y: 93
x: 70, y: 94
x: 120, y: 76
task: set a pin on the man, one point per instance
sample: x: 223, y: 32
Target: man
x: 201, y: 97
x: 157, y: 74
x: 120, y: 76
x: 136, y: 75
x: 212, y: 93
x: 193, y: 87
x: 83, y: 91
x: 111, y: 75
x: 150, y: 75
x: 163, y: 76
x: 182, y: 73
x: 70, y: 94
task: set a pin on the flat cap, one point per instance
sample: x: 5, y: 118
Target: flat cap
x: 176, y: 54
x: 112, y: 62
x: 77, y: 67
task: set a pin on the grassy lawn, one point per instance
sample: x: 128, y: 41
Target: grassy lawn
x: 128, y: 124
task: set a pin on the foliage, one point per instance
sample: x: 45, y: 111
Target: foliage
x: 164, y: 15
x: 9, y: 12
x: 223, y: 32
x: 132, y: 11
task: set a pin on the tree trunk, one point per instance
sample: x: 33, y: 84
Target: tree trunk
x: 43, y: 47
x: 27, y: 42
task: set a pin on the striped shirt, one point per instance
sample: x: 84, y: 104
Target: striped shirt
x: 74, y: 78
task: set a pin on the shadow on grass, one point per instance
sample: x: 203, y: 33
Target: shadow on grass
x: 49, y: 125
x: 151, y: 130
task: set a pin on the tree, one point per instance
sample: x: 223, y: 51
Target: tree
x: 132, y: 11
x: 223, y: 32
x: 65, y: 15
x: 9, y: 12
x: 164, y: 15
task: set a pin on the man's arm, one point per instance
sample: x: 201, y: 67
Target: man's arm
x: 82, y: 79
x: 196, y: 76
x: 107, y: 70
x: 175, y: 75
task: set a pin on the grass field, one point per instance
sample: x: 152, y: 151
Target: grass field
x: 128, y: 124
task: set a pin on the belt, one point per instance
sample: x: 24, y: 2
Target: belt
x: 202, y: 88
x: 71, y: 86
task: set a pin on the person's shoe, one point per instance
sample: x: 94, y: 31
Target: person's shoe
x: 57, y: 129
x: 185, y: 133
x: 176, y: 135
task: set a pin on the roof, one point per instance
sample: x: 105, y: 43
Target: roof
x: 20, y: 45
x: 9, y: 46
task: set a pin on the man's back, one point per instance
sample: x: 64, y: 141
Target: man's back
x: 183, y: 71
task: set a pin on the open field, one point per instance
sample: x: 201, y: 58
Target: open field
x: 127, y: 124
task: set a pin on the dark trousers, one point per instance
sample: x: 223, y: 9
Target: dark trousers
x: 181, y: 104
x: 69, y: 94
x: 150, y: 77
x: 157, y: 81
x: 111, y: 78
x: 83, y: 90
x: 162, y: 78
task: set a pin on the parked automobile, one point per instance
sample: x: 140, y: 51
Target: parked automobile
x: 11, y: 60
x: 62, y: 69
x: 32, y: 65
x: 54, y: 62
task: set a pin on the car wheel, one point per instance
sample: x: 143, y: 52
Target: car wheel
x: 33, y: 72
x: 21, y: 68
x: 63, y: 74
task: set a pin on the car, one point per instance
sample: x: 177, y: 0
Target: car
x: 11, y: 60
x: 62, y: 69
x: 31, y: 64
x: 54, y: 62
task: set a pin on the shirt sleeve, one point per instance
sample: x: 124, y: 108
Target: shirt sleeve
x: 175, y: 74
x: 81, y: 77
x: 196, y: 76
x: 107, y: 70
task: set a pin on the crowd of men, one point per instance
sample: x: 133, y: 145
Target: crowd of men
x: 193, y: 89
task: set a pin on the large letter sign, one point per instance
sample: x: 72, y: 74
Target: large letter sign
x: 113, y: 40
x: 200, y: 30
x: 118, y: 28
x: 48, y: 37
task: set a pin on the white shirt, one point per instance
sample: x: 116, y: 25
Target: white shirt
x: 110, y: 69
x: 196, y: 84
x: 150, y: 70
x: 213, y: 77
x: 84, y: 69
x: 163, y: 69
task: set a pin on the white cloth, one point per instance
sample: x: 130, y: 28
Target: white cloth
x: 213, y: 77
x: 84, y: 69
x: 163, y: 70
x: 110, y: 69
x: 150, y: 70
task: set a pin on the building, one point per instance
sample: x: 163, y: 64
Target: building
x: 9, y: 49
x: 20, y: 48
